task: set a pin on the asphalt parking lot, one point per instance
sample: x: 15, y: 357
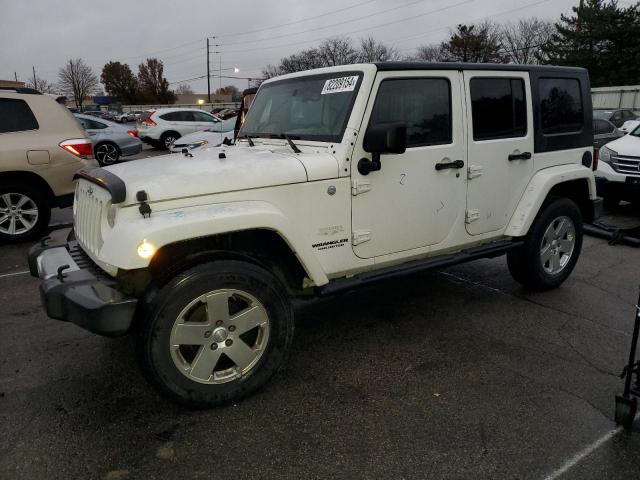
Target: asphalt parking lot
x: 451, y: 374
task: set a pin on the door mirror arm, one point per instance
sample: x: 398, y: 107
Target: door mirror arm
x: 379, y: 139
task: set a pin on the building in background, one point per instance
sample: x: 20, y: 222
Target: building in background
x: 11, y: 84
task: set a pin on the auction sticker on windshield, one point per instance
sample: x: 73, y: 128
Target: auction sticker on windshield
x: 342, y: 84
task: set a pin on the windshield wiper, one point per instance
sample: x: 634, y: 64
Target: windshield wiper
x: 248, y: 137
x: 293, y: 146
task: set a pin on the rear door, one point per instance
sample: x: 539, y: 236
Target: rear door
x: 500, y: 146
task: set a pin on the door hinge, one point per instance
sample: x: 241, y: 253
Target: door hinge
x: 474, y: 171
x: 360, y: 236
x: 359, y: 186
x: 472, y: 216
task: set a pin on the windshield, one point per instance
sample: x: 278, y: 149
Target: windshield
x: 308, y: 108
x: 636, y: 132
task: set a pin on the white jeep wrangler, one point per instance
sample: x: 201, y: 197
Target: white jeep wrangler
x: 339, y: 177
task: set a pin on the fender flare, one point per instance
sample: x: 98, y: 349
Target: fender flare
x: 166, y: 227
x: 537, y: 191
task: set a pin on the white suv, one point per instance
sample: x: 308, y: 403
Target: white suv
x: 618, y: 174
x: 162, y: 127
x: 339, y: 177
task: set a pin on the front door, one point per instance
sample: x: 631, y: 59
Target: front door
x: 417, y: 197
x: 500, y: 147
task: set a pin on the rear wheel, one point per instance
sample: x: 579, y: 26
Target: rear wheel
x: 551, y: 247
x: 24, y: 212
x: 215, y: 333
x: 107, y: 153
x: 167, y: 139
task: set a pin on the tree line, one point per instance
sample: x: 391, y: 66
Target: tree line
x: 601, y: 36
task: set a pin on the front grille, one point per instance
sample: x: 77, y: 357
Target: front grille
x: 90, y: 201
x: 84, y: 262
x: 626, y: 164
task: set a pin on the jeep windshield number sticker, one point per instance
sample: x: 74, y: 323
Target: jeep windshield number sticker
x: 342, y: 84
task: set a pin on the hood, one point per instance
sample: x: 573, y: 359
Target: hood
x: 214, y: 138
x: 178, y: 176
x: 628, y: 145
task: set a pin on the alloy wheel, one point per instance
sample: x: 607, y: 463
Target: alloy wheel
x: 107, y: 154
x: 557, y: 245
x: 220, y: 336
x: 18, y: 213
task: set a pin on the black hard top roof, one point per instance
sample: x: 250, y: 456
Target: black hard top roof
x: 396, y: 66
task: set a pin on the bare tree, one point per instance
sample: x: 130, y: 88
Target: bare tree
x: 41, y: 85
x: 271, y: 71
x: 76, y: 78
x: 373, y: 51
x: 522, y: 41
x: 337, y: 51
x: 184, y: 89
x: 427, y: 53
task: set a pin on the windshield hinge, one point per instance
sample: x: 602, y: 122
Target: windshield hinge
x: 474, y: 171
x: 359, y: 186
x: 472, y: 215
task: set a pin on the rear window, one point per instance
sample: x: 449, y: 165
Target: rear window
x: 16, y: 116
x: 498, y: 108
x: 601, y: 127
x: 560, y: 105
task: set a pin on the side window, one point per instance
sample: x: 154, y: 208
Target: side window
x: 187, y: 116
x: 423, y: 104
x: 97, y: 125
x: 560, y: 105
x: 16, y: 116
x: 203, y: 117
x: 601, y: 127
x: 627, y: 115
x: 498, y: 108
x: 173, y: 117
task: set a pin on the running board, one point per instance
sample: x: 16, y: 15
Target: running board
x: 416, y: 266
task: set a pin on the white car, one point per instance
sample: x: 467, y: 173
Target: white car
x: 211, y: 137
x: 125, y: 117
x: 161, y: 128
x: 629, y: 126
x: 340, y: 177
x: 618, y: 173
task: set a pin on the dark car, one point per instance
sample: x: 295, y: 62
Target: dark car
x: 615, y: 116
x: 604, y: 132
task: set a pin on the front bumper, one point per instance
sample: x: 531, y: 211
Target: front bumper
x: 81, y: 294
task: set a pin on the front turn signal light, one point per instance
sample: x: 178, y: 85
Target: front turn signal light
x: 146, y: 249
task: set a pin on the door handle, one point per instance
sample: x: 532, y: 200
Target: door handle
x: 454, y: 164
x: 519, y: 156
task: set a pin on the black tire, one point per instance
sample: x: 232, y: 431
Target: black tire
x: 161, y: 313
x: 167, y: 138
x: 525, y: 263
x: 107, y: 153
x: 41, y: 202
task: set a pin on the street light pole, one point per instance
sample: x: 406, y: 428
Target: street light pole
x: 220, y: 74
x: 208, y: 75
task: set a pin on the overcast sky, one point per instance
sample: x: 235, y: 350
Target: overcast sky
x: 250, y: 33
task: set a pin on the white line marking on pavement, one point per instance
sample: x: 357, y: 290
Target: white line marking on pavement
x: 13, y: 274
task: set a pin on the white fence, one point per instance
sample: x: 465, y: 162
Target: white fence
x: 616, y: 97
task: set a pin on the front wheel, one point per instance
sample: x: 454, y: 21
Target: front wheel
x: 551, y: 248
x: 215, y: 333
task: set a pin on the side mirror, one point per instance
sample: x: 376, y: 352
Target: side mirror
x: 379, y: 139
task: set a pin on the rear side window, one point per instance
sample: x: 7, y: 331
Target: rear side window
x: 172, y: 117
x: 601, y: 127
x: 422, y: 104
x: 498, y: 108
x: 91, y: 124
x: 561, y: 108
x: 16, y: 116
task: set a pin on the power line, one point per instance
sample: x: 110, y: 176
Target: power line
x: 357, y: 31
x: 333, y: 25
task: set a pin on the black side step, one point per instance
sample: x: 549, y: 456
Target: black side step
x: 415, y: 266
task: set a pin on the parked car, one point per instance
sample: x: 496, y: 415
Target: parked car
x: 163, y: 127
x: 618, y: 173
x: 340, y: 177
x: 110, y: 140
x: 629, y: 126
x: 125, y: 117
x: 41, y: 149
x: 615, y: 116
x: 604, y: 132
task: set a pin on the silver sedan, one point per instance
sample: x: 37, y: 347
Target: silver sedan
x: 110, y: 140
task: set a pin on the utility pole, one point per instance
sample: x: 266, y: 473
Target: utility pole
x: 579, y: 20
x: 35, y: 85
x: 220, y: 74
x: 15, y: 74
x: 208, y: 75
